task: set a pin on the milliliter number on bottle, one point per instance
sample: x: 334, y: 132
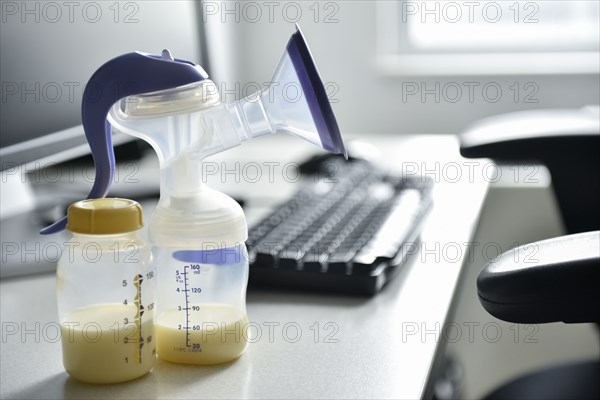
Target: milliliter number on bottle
x: 183, y: 278
x: 137, y: 334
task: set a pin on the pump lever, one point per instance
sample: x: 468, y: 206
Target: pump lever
x: 127, y: 75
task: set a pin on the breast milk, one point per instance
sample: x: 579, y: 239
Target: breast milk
x: 104, y: 344
x: 217, y: 334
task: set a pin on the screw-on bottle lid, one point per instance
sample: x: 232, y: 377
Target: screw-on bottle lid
x: 104, y: 216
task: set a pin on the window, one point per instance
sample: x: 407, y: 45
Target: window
x: 488, y: 37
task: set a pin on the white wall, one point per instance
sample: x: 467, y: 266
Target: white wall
x: 62, y: 52
x: 345, y: 53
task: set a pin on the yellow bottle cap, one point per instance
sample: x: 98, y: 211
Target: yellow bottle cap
x: 104, y: 216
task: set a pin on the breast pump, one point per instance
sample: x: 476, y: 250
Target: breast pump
x: 198, y: 233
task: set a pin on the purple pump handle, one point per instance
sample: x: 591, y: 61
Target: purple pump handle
x: 127, y: 75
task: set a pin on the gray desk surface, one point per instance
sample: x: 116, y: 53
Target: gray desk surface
x: 381, y: 347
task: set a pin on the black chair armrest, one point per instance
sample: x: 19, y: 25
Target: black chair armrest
x: 565, y: 141
x: 547, y: 281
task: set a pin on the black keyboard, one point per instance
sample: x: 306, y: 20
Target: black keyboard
x: 343, y: 231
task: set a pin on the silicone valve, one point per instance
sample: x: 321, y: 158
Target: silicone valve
x: 127, y: 75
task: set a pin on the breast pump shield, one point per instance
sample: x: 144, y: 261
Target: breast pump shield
x: 198, y: 233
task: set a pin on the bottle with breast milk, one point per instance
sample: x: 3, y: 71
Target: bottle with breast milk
x: 105, y: 291
x: 198, y: 237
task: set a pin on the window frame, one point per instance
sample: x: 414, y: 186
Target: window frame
x: 396, y: 57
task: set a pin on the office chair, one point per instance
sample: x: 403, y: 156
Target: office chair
x: 562, y: 281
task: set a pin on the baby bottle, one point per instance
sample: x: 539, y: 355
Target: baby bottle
x: 202, y: 267
x: 105, y: 291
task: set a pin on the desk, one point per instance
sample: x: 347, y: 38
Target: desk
x: 387, y: 346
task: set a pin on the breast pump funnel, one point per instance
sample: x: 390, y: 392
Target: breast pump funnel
x: 295, y: 101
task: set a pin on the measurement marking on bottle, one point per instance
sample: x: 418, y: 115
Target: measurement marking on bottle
x: 137, y: 282
x: 187, y: 307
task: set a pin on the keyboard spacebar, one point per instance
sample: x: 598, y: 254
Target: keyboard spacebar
x: 386, y: 242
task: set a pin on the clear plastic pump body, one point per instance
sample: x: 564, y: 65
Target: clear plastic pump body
x: 197, y: 233
x: 184, y: 125
x: 105, y: 292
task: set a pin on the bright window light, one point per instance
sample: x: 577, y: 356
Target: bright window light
x: 504, y: 37
x: 498, y: 26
